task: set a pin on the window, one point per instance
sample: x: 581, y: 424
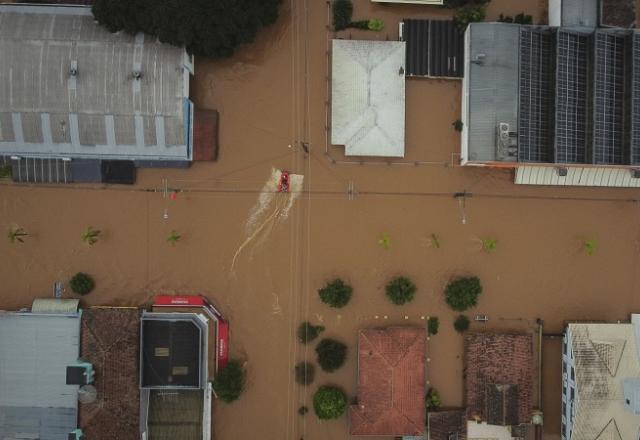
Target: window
x: 573, y: 374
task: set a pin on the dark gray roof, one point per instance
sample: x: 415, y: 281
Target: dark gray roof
x: 102, y: 111
x: 435, y: 48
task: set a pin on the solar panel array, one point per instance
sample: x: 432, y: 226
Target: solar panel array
x: 579, y: 97
x: 572, y: 88
x: 537, y: 66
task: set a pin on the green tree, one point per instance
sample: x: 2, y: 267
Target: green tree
x: 211, y: 28
x: 400, y: 290
x: 432, y: 400
x: 305, y: 373
x: 329, y: 402
x: 90, y: 236
x: 342, y: 13
x: 461, y: 324
x: 16, y: 234
x: 229, y: 382
x: 336, y: 293
x: 81, y: 283
x: 331, y: 354
x: 432, y: 325
x: 469, y: 13
x: 307, y: 332
x: 462, y: 293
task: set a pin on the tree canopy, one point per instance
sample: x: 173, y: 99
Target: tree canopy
x: 211, y: 28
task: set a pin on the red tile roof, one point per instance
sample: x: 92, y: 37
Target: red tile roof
x: 499, y: 377
x: 391, y: 382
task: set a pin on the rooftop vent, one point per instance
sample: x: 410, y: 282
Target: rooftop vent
x: 506, y: 144
x: 137, y: 74
x: 562, y: 171
x: 73, y: 70
x: 479, y: 59
x: 635, y: 173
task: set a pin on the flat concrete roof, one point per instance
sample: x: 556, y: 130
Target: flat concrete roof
x: 102, y: 111
x: 34, y: 353
x: 368, y: 97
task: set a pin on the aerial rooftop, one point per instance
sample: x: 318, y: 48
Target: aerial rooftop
x: 35, y: 350
x: 367, y: 98
x: 391, y: 382
x: 70, y: 88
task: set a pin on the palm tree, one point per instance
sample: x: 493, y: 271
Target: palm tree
x: 16, y: 234
x: 90, y: 236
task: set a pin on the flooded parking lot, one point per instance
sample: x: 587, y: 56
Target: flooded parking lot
x: 271, y: 97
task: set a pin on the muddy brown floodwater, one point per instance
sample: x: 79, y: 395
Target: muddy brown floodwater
x: 271, y: 96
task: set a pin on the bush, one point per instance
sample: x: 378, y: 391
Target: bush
x: 458, y: 125
x: 462, y: 293
x: 331, y: 354
x: 212, y: 28
x: 305, y: 373
x: 336, y: 293
x: 307, y: 332
x: 81, y: 283
x: 432, y: 400
x: 375, y: 24
x: 470, y: 13
x: 229, y: 382
x: 342, y: 13
x: 5, y: 172
x: 452, y: 4
x: 400, y: 290
x: 303, y: 410
x: 461, y: 324
x: 523, y: 18
x: 432, y: 325
x: 329, y: 403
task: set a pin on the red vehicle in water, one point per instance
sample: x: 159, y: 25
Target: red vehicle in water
x: 283, y: 185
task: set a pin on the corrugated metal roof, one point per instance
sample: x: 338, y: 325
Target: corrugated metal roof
x: 492, y: 76
x: 34, y: 353
x: 368, y: 97
x: 102, y: 111
x: 576, y: 176
x: 55, y: 305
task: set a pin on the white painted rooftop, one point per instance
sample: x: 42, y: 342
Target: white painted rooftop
x: 368, y: 97
x: 102, y: 111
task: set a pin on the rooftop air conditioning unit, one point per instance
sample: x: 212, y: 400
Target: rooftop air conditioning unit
x: 506, y: 145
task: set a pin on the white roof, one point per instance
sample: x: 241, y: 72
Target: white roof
x: 101, y: 112
x: 367, y: 97
x: 604, y: 356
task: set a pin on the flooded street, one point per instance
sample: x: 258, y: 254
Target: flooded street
x: 261, y: 257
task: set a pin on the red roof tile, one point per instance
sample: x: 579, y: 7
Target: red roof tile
x: 499, y: 377
x: 391, y: 382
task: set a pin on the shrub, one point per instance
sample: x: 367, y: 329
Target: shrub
x: 307, y: 332
x: 505, y: 19
x: 90, y: 236
x: 590, y: 246
x: 462, y: 293
x: 400, y: 290
x: 212, y: 28
x: 229, y: 382
x: 523, y: 18
x: 81, y: 283
x: 489, y: 244
x: 5, y: 172
x: 336, y: 293
x: 461, y: 324
x: 432, y: 400
x: 384, y: 241
x: 452, y: 4
x: 303, y: 410
x: 16, y: 234
x: 432, y: 325
x: 375, y: 24
x: 360, y: 24
x: 174, y: 237
x: 329, y: 402
x: 469, y: 13
x: 458, y: 125
x: 342, y: 13
x: 331, y: 354
x: 305, y: 373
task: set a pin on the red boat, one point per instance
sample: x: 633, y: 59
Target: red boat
x: 283, y: 185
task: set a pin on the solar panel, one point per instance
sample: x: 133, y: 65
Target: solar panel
x: 635, y: 104
x: 537, y: 67
x: 610, y: 78
x: 572, y: 84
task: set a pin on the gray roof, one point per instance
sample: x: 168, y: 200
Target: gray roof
x: 582, y: 13
x: 491, y: 72
x: 34, y: 353
x: 102, y: 112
